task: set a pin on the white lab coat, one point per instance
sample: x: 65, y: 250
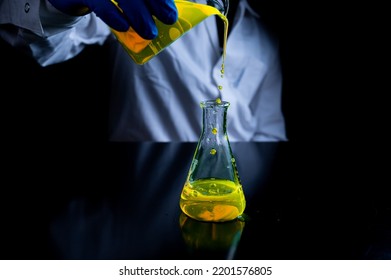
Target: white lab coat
x: 47, y: 34
x: 159, y: 101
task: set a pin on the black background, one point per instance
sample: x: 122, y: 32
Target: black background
x: 334, y: 99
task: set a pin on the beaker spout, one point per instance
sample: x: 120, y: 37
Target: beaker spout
x: 221, y: 5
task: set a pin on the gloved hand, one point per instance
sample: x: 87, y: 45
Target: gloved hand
x: 120, y: 14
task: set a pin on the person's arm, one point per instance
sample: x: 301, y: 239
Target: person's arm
x: 52, y: 32
x: 45, y: 33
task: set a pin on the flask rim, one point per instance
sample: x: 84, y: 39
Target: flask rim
x: 214, y: 103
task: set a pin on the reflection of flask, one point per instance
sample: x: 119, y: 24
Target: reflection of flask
x: 189, y: 15
x: 213, y: 191
x: 211, y: 240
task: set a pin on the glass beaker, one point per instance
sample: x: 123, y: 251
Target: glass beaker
x: 213, y: 191
x: 189, y: 15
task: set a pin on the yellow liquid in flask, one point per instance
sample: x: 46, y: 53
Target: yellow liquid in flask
x: 189, y: 15
x: 212, y: 200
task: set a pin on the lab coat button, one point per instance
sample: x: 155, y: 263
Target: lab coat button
x: 27, y: 7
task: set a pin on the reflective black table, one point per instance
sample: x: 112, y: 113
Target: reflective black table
x: 121, y: 201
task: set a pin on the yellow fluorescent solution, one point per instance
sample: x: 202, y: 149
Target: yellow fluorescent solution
x: 212, y: 200
x: 189, y: 15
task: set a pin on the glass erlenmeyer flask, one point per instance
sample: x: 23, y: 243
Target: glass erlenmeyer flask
x: 213, y: 191
x: 189, y: 15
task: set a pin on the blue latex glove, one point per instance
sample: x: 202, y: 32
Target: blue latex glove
x: 121, y: 14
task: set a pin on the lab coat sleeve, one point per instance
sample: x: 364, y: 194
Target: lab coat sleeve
x: 46, y: 34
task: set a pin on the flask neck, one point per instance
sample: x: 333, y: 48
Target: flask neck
x: 214, y: 120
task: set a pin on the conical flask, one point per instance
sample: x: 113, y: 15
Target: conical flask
x: 189, y: 15
x: 213, y: 191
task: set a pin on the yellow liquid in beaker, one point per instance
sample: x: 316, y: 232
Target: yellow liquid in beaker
x: 189, y: 15
x: 212, y: 200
